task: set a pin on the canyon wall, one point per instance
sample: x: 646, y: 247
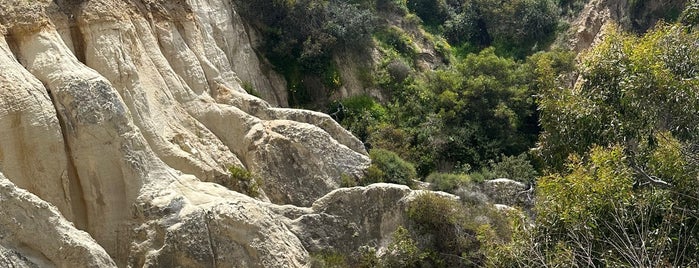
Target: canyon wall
x: 121, y: 118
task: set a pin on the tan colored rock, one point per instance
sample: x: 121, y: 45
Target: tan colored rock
x: 194, y: 224
x: 588, y: 28
x: 34, y: 234
x: 109, y: 104
x: 32, y: 149
x: 349, y: 218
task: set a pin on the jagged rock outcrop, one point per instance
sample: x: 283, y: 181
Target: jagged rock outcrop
x: 589, y: 27
x: 120, y: 111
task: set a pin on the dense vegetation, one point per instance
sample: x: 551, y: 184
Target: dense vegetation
x: 609, y: 138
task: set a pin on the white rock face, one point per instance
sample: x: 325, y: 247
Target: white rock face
x: 125, y: 113
x: 34, y: 234
x: 349, y: 218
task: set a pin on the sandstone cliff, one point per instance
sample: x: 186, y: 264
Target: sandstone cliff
x: 126, y: 114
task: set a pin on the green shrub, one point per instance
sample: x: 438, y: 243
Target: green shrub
x: 358, y: 114
x: 389, y: 167
x: 403, y: 251
x: 347, y: 181
x: 602, y: 212
x: 392, y: 6
x: 397, y: 39
x: 690, y: 16
x: 331, y: 77
x: 433, y: 12
x: 447, y: 182
x: 327, y: 259
x: 449, y: 229
x: 243, y: 181
x: 517, y: 168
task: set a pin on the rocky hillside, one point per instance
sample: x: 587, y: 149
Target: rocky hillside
x: 119, y: 122
x: 150, y: 133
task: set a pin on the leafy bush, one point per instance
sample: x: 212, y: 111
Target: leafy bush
x: 358, y: 114
x: 598, y: 214
x: 389, y: 167
x: 327, y: 259
x: 470, y: 113
x: 633, y: 88
x: 448, y: 229
x: 397, y: 39
x: 243, y: 181
x: 250, y: 88
x: 392, y: 6
x: 300, y: 37
x: 447, y: 182
x: 690, y: 16
x: 517, y: 168
x: 403, y: 251
x: 433, y: 12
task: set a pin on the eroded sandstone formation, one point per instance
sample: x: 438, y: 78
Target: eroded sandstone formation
x: 125, y: 114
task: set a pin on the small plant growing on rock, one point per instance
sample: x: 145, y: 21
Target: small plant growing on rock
x: 250, y: 88
x: 243, y: 181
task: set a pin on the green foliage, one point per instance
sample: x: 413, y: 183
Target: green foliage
x: 516, y: 28
x: 250, y: 88
x: 243, y: 181
x: 433, y: 12
x: 620, y: 149
x: 300, y: 37
x: 690, y: 16
x: 447, y: 182
x: 394, y: 37
x: 520, y: 27
x: 633, y: 88
x: 449, y: 229
x: 602, y: 212
x: 517, y: 168
x: 328, y: 260
x: 403, y: 251
x: 331, y: 77
x: 347, y: 181
x: 392, y: 6
x: 358, y: 114
x: 571, y: 7
x: 390, y: 168
x: 468, y: 113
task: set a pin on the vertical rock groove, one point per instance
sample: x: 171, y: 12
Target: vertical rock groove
x: 77, y: 198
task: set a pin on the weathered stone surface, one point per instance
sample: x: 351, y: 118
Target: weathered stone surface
x: 194, y: 224
x: 349, y: 218
x: 508, y: 192
x: 34, y: 234
x: 108, y: 104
